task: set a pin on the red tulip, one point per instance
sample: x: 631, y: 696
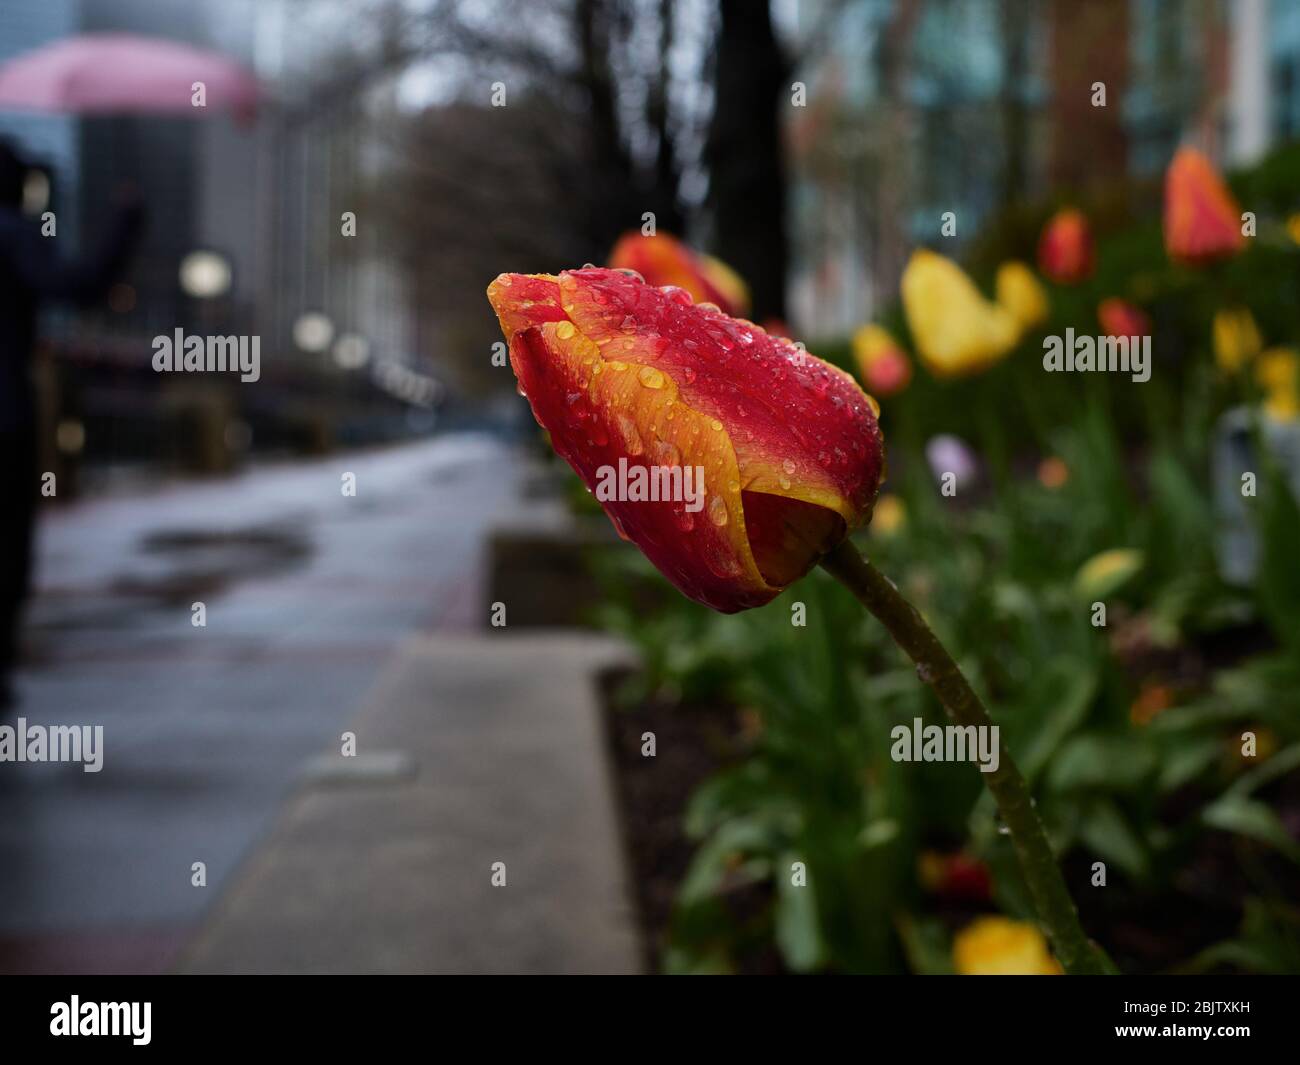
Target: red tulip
x: 883, y: 366
x: 1202, y: 220
x: 665, y: 260
x: 1119, y: 318
x: 1065, y: 252
x: 624, y: 375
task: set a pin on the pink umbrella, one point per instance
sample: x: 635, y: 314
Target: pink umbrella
x: 120, y: 73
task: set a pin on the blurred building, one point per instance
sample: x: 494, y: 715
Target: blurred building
x: 261, y: 200
x: 919, y: 107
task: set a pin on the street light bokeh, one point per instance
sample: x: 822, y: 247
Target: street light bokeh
x: 205, y: 275
x: 313, y: 331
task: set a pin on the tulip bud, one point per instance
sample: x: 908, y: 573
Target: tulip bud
x: 624, y: 375
x: 956, y: 330
x: 1020, y: 295
x: 883, y: 366
x: 1119, y: 318
x: 665, y: 260
x: 1065, y: 252
x: 1202, y: 220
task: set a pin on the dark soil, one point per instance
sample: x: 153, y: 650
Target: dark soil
x: 691, y: 744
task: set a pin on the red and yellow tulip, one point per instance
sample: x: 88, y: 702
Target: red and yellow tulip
x: 1119, y: 318
x: 665, y: 260
x: 1202, y: 220
x: 1065, y: 249
x: 883, y: 366
x: 956, y: 330
x: 621, y: 371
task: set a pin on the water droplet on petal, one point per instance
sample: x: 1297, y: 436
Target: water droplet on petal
x: 650, y: 377
x: 718, y: 511
x: 565, y: 330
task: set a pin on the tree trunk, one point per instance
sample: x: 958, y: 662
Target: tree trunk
x: 747, y: 177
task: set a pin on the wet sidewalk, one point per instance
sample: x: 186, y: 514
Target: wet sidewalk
x: 472, y: 832
x: 312, y: 599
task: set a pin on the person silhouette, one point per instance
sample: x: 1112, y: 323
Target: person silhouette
x: 31, y: 272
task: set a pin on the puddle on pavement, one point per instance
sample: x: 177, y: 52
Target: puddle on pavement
x: 185, y: 563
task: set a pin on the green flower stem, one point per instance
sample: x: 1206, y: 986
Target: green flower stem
x: 935, y: 665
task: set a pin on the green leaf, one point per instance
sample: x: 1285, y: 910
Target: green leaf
x: 798, y: 933
x: 1187, y: 760
x: 1111, y: 763
x: 1107, y: 832
x: 1248, y: 817
x: 1058, y: 703
x: 926, y: 945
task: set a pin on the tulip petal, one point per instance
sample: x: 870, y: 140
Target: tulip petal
x: 801, y: 429
x: 524, y: 300
x: 600, y: 411
x: 787, y: 536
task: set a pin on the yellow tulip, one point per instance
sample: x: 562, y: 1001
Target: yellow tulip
x: 1021, y: 295
x: 957, y: 331
x: 1236, y: 339
x: 890, y: 516
x: 1107, y: 572
x: 999, y: 946
x: 1278, y: 374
